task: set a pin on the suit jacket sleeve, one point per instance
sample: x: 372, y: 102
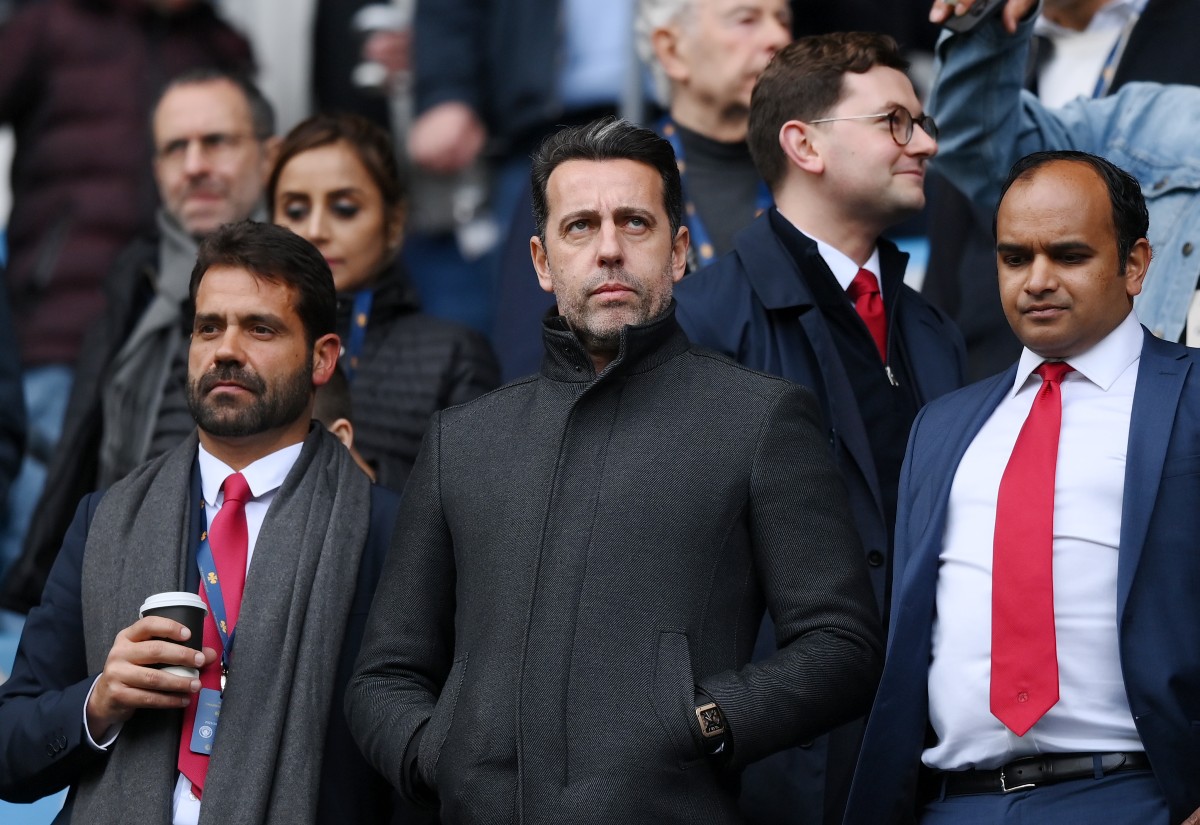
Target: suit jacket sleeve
x: 810, y: 565
x: 43, y: 748
x: 448, y: 53
x: 408, y: 643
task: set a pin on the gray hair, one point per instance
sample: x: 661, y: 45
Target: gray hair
x: 650, y: 16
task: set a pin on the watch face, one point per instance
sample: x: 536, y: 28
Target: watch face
x: 711, y: 723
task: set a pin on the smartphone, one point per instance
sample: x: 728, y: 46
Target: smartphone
x: 974, y: 17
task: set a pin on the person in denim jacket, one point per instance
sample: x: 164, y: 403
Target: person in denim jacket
x: 987, y: 122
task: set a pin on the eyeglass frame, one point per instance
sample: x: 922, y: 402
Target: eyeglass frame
x: 925, y: 121
x: 174, y: 152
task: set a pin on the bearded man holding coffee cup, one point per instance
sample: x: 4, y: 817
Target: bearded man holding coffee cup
x: 261, y: 519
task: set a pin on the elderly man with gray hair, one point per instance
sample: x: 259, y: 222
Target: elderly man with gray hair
x: 705, y: 56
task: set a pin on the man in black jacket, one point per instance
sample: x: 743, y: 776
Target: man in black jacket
x: 214, y: 143
x: 563, y: 628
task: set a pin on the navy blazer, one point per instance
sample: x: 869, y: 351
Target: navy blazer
x: 755, y: 306
x: 1158, y: 577
x: 43, y: 748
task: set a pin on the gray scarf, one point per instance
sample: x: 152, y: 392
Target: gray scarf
x: 266, y: 759
x: 134, y: 391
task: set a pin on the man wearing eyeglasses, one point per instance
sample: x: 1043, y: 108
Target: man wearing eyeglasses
x: 811, y: 292
x: 213, y: 142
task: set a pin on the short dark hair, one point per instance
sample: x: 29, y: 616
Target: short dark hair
x: 369, y: 142
x: 606, y: 139
x: 804, y: 82
x: 1131, y: 219
x: 262, y: 114
x: 276, y: 255
x: 333, y: 399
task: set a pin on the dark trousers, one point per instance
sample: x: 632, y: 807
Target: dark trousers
x: 1131, y: 798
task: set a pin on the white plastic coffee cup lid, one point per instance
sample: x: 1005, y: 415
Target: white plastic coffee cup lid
x: 172, y: 599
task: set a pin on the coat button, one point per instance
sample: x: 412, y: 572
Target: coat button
x: 875, y: 558
x: 1187, y: 249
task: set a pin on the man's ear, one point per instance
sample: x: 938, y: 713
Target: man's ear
x: 270, y: 151
x: 344, y: 430
x: 1136, y: 265
x: 679, y: 248
x: 325, y: 357
x: 796, y: 141
x: 541, y: 264
x: 665, y: 42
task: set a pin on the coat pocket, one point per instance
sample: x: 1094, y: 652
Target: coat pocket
x: 675, y: 695
x: 438, y: 726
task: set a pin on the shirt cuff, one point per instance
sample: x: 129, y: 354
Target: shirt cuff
x: 110, y: 735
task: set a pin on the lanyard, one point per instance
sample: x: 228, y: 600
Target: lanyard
x: 216, y: 602
x: 1104, y: 82
x: 359, y: 317
x: 701, y: 246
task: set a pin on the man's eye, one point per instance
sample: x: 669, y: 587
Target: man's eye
x: 260, y: 329
x: 173, y: 149
x: 577, y: 226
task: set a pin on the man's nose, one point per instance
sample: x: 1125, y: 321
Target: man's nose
x: 1043, y: 276
x: 609, y: 250
x: 195, y: 159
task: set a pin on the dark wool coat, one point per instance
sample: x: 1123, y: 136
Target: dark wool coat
x: 577, y: 556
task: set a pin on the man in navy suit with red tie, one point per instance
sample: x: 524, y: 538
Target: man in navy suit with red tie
x: 288, y: 535
x: 1045, y: 635
x: 813, y: 293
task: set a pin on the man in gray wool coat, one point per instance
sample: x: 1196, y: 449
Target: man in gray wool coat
x: 563, y: 628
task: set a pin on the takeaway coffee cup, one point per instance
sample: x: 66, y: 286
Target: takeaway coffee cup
x: 189, y: 610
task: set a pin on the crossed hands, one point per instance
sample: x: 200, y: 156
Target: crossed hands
x: 1013, y: 11
x: 127, y: 684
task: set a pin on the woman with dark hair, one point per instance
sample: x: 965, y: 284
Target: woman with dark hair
x: 336, y: 183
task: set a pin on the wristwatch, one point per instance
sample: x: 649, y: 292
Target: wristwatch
x: 712, y: 727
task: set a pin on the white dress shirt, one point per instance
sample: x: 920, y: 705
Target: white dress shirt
x: 264, y: 478
x: 1080, y: 56
x: 1092, y: 714
x: 843, y: 268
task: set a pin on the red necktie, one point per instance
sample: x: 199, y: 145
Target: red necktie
x: 229, y: 540
x: 864, y: 292
x: 1024, y: 656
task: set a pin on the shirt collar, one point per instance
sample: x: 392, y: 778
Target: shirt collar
x: 842, y: 266
x: 1111, y: 16
x: 1102, y: 364
x: 263, y: 476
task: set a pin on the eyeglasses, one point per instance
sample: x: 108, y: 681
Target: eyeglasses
x: 900, y: 121
x: 213, y: 146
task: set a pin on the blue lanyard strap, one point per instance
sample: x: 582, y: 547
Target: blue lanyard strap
x: 701, y: 246
x: 358, y: 332
x: 1109, y: 70
x: 212, y: 591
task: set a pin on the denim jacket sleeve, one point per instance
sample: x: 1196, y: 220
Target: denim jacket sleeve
x: 988, y: 122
